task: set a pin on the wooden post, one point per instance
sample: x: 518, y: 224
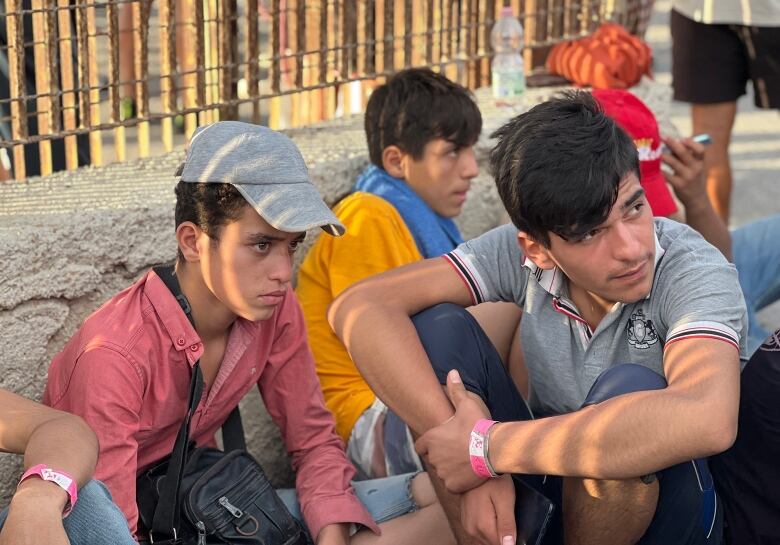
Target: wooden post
x: 529, y: 34
x: 388, y: 36
x: 141, y: 47
x: 93, y: 79
x: 167, y: 62
x: 226, y: 39
x: 275, y: 104
x: 68, y: 84
x: 327, y: 95
x: 487, y: 16
x: 253, y: 54
x: 112, y: 14
x: 15, y: 31
x: 43, y: 102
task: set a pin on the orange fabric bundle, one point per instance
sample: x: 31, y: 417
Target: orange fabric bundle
x: 609, y: 58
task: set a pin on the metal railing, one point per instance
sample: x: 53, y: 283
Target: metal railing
x: 81, y: 74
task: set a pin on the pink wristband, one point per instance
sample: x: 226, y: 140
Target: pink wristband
x: 478, y: 449
x: 60, y: 478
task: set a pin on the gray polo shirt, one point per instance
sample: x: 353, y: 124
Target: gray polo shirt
x: 695, y: 293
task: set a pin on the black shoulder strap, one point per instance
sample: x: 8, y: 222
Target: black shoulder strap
x: 167, y: 515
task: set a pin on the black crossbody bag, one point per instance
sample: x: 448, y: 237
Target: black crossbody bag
x: 204, y: 496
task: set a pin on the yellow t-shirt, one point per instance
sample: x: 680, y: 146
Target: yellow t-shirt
x: 377, y: 240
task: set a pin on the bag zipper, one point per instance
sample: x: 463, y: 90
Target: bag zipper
x: 201, y: 532
x: 232, y: 509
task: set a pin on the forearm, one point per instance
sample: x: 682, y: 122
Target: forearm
x: 408, y: 386
x: 64, y: 443
x: 701, y: 216
x: 628, y: 436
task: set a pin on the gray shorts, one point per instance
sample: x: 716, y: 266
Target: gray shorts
x: 381, y: 445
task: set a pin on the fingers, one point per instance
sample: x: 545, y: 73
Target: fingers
x: 455, y: 389
x: 505, y: 515
x: 421, y: 445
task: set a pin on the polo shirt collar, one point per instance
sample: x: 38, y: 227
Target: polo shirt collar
x: 553, y: 281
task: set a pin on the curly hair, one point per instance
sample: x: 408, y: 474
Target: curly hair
x: 208, y: 205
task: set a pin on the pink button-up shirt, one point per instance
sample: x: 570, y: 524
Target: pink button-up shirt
x: 127, y: 373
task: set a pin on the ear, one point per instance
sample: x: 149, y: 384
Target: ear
x: 393, y: 161
x: 187, y: 235
x: 535, y: 251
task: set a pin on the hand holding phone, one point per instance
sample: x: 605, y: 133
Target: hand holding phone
x: 683, y: 167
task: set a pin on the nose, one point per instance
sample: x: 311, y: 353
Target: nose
x: 281, y: 266
x: 626, y: 243
x: 469, y: 167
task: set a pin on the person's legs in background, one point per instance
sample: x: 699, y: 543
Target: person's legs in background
x: 710, y: 70
x: 757, y: 258
x: 717, y: 120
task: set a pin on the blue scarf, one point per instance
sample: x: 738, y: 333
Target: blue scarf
x: 433, y: 234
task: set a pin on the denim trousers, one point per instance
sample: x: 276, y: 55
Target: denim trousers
x: 756, y: 249
x: 95, y: 520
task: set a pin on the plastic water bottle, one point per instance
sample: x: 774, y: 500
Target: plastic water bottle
x: 507, y: 67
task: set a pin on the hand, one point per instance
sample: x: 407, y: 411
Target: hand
x: 487, y: 512
x: 35, y: 516
x: 686, y: 158
x: 446, y: 447
x: 333, y: 534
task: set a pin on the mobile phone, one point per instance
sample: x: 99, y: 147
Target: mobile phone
x: 533, y: 512
x: 703, y: 139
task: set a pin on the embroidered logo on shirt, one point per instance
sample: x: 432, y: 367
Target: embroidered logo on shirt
x: 772, y: 344
x: 640, y: 331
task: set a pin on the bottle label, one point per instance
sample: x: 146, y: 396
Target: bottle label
x: 508, y: 83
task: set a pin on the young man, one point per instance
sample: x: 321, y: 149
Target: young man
x: 614, y: 302
x: 243, y: 206
x: 55, y: 502
x: 420, y: 129
x: 751, y: 247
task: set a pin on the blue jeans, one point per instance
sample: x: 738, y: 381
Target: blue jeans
x: 384, y: 499
x: 756, y: 249
x: 95, y: 520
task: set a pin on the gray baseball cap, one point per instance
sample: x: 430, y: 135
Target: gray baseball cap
x: 268, y: 170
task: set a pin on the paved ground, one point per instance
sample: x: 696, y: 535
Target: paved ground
x: 755, y: 148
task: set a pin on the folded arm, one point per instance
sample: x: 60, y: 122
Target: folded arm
x: 372, y: 319
x: 639, y: 433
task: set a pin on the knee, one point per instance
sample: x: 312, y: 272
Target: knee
x: 623, y: 379
x: 445, y: 330
x: 440, y: 320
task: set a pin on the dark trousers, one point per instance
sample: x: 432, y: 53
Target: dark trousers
x: 686, y: 511
x: 747, y: 476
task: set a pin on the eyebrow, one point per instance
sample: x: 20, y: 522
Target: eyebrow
x: 262, y: 237
x: 638, y: 194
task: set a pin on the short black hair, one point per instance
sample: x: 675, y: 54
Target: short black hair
x: 558, y: 167
x: 416, y: 106
x: 210, y: 206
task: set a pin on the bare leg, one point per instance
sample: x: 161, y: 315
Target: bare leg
x: 426, y: 526
x: 615, y: 512
x: 717, y: 120
x: 501, y: 321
